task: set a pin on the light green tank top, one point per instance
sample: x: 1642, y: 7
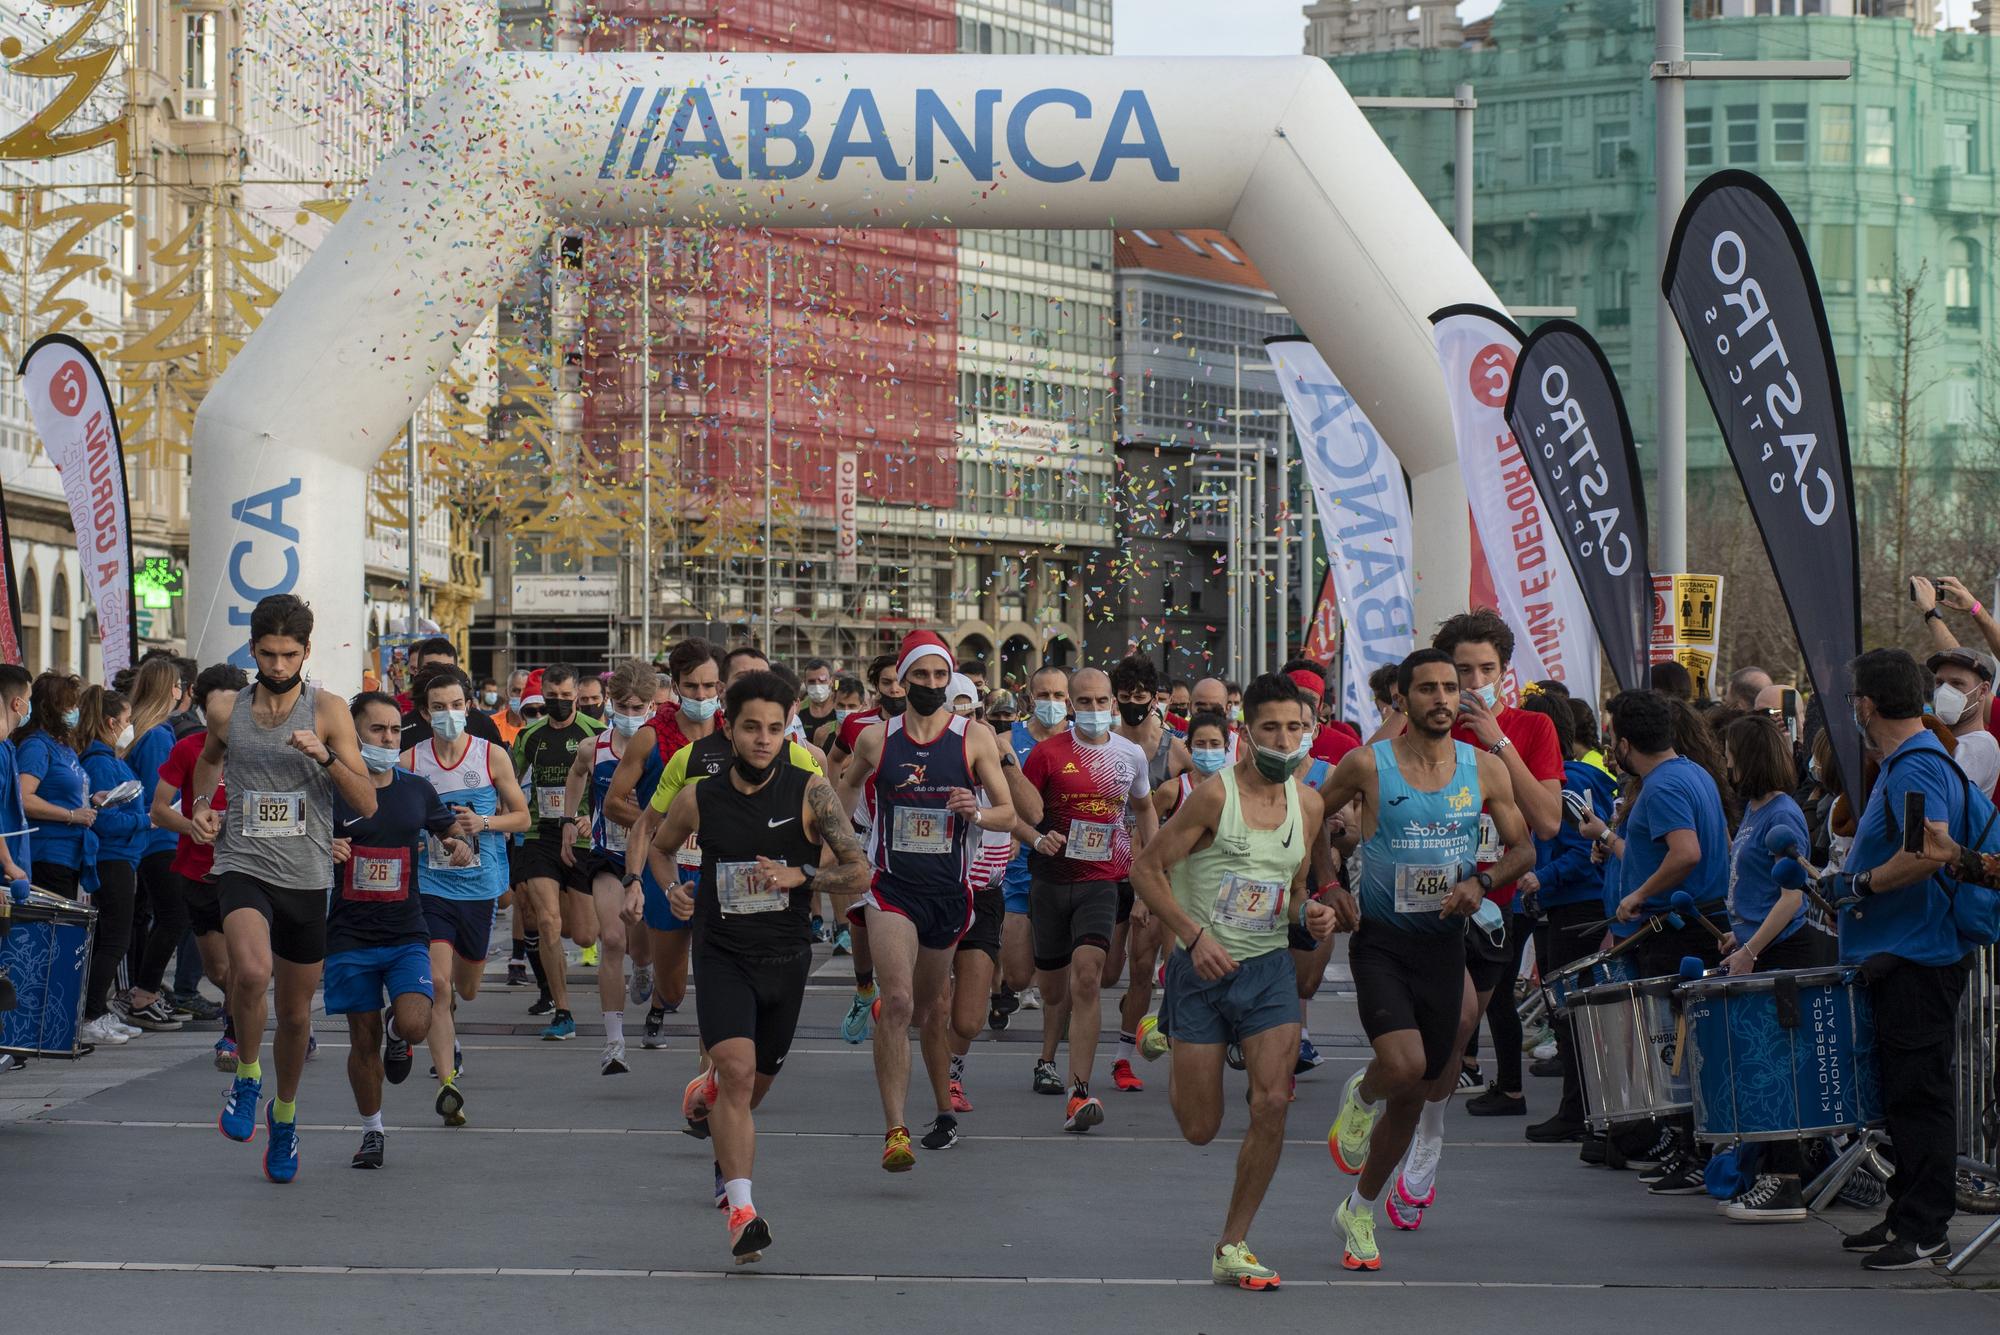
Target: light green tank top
x: 1240, y: 885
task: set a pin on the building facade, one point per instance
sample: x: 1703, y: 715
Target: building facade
x: 1199, y: 420
x: 1890, y: 174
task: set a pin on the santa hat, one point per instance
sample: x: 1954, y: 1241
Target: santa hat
x: 1310, y: 682
x: 531, y: 694
x: 919, y: 645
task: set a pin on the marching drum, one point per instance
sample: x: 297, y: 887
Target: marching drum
x: 1563, y: 984
x: 45, y: 953
x: 1782, y: 1055
x: 1628, y: 1036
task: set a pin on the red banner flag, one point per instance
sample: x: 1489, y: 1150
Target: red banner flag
x: 1323, y: 636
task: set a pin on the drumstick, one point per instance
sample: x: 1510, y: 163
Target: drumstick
x: 1793, y: 874
x: 1684, y: 902
x: 1657, y: 923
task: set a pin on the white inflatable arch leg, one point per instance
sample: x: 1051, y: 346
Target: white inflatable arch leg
x: 1272, y: 149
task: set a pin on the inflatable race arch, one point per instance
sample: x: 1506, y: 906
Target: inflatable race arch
x: 510, y: 145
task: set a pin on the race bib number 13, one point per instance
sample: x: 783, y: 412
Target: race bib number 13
x: 922, y: 830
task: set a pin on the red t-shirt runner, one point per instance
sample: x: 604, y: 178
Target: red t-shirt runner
x: 1085, y: 790
x: 853, y: 726
x: 191, y: 859
x: 1334, y: 740
x: 1534, y: 736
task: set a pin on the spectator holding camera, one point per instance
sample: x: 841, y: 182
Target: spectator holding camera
x: 1962, y: 698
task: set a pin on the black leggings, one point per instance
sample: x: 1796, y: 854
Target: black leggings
x: 116, y: 882
x: 162, y: 885
x: 56, y: 878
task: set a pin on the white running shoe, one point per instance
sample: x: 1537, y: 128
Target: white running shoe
x: 641, y: 990
x: 1544, y: 1051
x: 1031, y: 998
x: 103, y: 1030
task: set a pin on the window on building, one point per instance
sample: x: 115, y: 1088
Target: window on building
x: 1700, y: 137
x: 1614, y: 286
x: 1960, y: 152
x: 1961, y: 281
x: 1147, y: 239
x: 1614, y: 141
x: 1961, y: 398
x: 1881, y: 260
x: 59, y: 624
x: 1548, y: 289
x: 1544, y: 154
x: 1788, y: 132
x: 1836, y: 136
x: 1835, y: 260
x: 1482, y: 165
x: 31, y: 619
x: 1187, y: 241
x: 1741, y: 134
x: 1224, y: 251
x: 1879, y: 149
x: 198, y: 63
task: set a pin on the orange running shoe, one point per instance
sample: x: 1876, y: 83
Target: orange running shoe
x: 1122, y: 1077
x: 1084, y: 1113
x: 749, y: 1235
x: 698, y: 1097
x: 959, y: 1103
x: 897, y: 1156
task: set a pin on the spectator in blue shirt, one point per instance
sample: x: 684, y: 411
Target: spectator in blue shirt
x: 105, y: 728
x: 159, y: 906
x: 1767, y: 922
x: 1901, y: 933
x: 53, y: 787
x: 15, y: 847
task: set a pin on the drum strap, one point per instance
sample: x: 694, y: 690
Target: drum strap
x: 1786, y: 992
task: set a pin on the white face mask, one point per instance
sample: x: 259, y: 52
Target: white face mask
x: 124, y: 738
x: 1950, y: 704
x: 818, y: 692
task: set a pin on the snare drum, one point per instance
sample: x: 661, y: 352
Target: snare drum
x: 1629, y: 1036
x: 1782, y: 1055
x: 1590, y: 971
x: 46, y: 955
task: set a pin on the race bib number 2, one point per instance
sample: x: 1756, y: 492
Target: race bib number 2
x: 1247, y: 905
x: 273, y: 815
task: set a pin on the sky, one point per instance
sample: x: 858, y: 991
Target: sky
x: 1264, y: 27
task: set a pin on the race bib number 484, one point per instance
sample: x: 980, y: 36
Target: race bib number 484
x: 1422, y: 889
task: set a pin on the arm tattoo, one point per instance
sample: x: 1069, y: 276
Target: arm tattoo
x: 836, y: 833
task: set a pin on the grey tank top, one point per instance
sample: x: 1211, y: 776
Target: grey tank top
x: 1159, y: 759
x: 279, y: 827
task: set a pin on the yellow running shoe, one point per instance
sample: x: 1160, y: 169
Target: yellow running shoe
x: 1347, y: 1139
x: 897, y: 1156
x: 1235, y: 1264
x: 588, y: 957
x: 1152, y: 1043
x: 1358, y: 1228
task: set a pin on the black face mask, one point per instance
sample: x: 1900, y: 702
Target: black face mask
x: 279, y: 685
x: 755, y: 775
x: 1133, y: 712
x: 560, y: 710
x: 925, y: 700
x: 594, y: 711
x: 892, y: 705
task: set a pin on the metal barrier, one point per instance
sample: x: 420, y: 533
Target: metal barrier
x: 1978, y: 1081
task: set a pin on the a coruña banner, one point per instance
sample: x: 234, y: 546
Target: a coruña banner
x: 846, y: 501
x: 10, y: 616
x: 1364, y: 518
x: 1742, y: 287
x: 1567, y: 414
x: 1537, y: 591
x: 73, y: 415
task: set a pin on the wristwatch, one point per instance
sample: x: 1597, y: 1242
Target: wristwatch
x: 809, y: 870
x: 1933, y: 615
x: 1485, y: 880
x: 1501, y: 745
x: 630, y: 879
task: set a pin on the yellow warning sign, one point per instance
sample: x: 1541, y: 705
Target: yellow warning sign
x: 1687, y: 609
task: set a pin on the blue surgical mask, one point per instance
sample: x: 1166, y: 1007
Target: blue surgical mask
x: 514, y: 705
x: 1209, y: 759
x: 71, y: 717
x: 626, y: 724
x: 380, y: 759
x: 1489, y: 919
x: 1093, y: 722
x: 448, y: 724
x: 840, y: 715
x: 700, y: 711
x: 1489, y: 695
x: 1051, y: 713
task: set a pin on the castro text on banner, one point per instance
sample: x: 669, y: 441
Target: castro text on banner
x: 1742, y: 288
x: 1364, y: 519
x: 1569, y: 418
x: 74, y: 418
x: 1537, y: 591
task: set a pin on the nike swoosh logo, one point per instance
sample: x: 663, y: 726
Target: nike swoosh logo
x: 1288, y: 837
x: 774, y: 824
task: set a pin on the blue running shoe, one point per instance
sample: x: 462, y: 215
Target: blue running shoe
x: 564, y: 1027
x: 858, y: 1026
x: 843, y: 944
x: 281, y: 1151
x: 239, y: 1109
x: 1308, y: 1057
